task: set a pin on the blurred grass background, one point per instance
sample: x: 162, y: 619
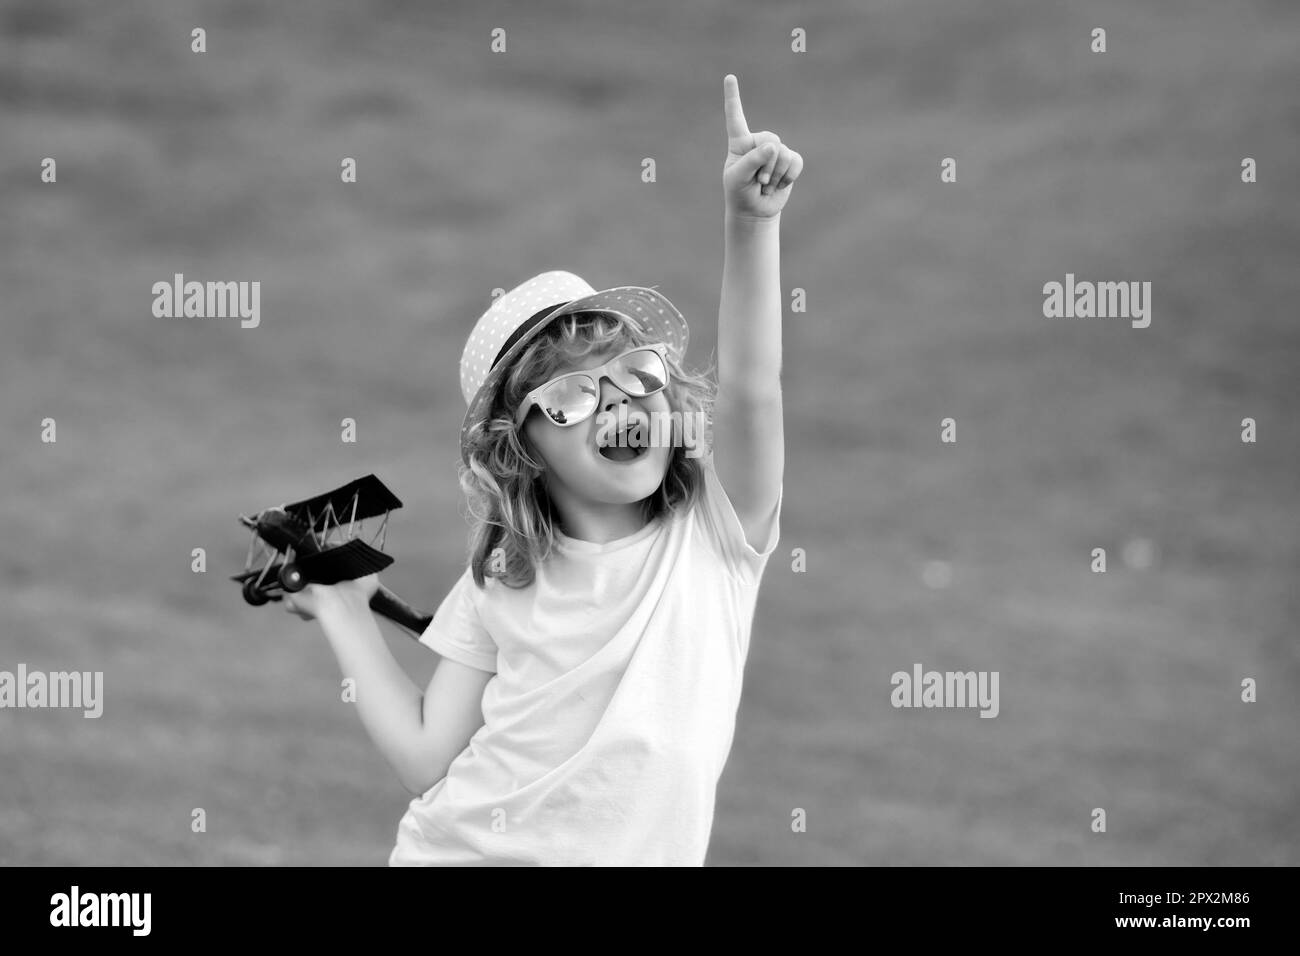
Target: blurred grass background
x: 477, y: 171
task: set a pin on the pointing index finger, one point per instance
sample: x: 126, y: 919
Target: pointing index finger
x: 739, y: 138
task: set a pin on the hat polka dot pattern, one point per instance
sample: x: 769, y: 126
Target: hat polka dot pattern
x: 655, y: 315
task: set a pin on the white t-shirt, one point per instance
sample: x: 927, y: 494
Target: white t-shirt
x: 613, y: 705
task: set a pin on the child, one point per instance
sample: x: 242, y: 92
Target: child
x: 592, y: 652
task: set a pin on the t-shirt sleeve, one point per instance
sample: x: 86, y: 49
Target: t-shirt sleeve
x: 457, y: 630
x: 722, y: 526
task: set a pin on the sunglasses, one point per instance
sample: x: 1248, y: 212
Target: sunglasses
x: 570, y: 399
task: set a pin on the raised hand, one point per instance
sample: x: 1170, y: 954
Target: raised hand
x: 759, y: 169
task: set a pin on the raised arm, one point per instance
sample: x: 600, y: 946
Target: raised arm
x: 748, y: 433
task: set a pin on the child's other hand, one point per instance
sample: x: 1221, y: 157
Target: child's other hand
x: 321, y: 600
x: 759, y: 170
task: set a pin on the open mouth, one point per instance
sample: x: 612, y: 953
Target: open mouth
x: 621, y: 454
x: 626, y: 446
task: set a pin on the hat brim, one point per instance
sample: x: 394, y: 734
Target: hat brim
x: 644, y: 306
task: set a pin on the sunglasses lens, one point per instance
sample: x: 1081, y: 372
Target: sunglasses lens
x: 573, y: 398
x: 640, y: 373
x: 569, y: 400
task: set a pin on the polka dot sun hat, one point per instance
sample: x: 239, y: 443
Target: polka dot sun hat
x: 502, y: 332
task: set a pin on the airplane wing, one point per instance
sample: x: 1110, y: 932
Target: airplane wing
x: 374, y: 498
x: 346, y: 562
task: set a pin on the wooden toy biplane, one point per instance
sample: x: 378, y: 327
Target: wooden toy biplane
x: 322, y: 541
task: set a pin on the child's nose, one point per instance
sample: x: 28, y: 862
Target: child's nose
x: 611, y: 396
